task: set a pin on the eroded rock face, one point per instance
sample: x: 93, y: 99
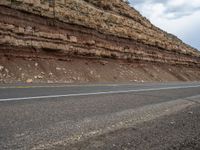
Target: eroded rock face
x: 89, y: 28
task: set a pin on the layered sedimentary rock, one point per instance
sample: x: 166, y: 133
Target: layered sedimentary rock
x: 57, y: 29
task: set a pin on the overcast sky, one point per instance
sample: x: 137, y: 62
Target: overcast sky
x: 179, y: 17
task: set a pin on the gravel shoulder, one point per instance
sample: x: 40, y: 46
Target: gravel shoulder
x: 179, y: 131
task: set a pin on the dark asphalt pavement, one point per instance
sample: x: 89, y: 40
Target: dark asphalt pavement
x: 57, y: 116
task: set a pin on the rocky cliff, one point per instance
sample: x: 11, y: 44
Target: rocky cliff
x: 63, y: 30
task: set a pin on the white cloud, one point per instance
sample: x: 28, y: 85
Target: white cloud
x: 179, y: 17
x: 169, y: 8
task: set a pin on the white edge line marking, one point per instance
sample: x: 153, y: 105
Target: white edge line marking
x: 96, y: 93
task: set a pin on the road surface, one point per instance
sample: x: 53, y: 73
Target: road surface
x: 100, y: 116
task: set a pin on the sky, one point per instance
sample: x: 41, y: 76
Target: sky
x: 179, y: 17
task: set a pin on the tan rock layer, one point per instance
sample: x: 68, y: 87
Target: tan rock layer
x: 82, y: 28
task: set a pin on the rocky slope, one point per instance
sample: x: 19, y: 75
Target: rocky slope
x: 84, y: 31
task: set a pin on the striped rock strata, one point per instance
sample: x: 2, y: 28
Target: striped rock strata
x: 59, y: 29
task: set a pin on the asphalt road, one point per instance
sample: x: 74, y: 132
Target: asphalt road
x: 100, y: 116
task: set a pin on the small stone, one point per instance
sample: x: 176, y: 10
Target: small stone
x: 73, y: 39
x: 91, y: 42
x: 172, y: 122
x: 98, y: 76
x: 50, y: 73
x: 29, y: 29
x: 40, y: 77
x: 57, y: 68
x: 49, y: 81
x: 21, y: 30
x: 36, y: 64
x: 1, y: 68
x: 190, y: 112
x: 68, y: 59
x: 29, y: 81
x: 91, y: 72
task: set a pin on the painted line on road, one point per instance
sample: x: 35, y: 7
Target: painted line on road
x: 97, y: 93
